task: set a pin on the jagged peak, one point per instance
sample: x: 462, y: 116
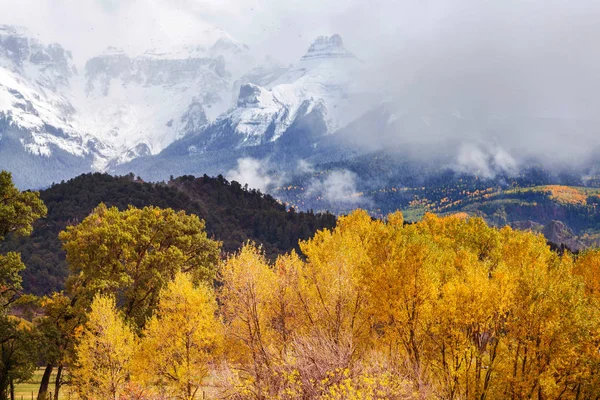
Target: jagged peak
x: 252, y: 95
x: 327, y: 47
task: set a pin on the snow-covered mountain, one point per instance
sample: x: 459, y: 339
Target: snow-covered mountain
x: 34, y: 82
x: 116, y: 108
x: 205, y: 96
x: 139, y: 105
x: 322, y: 84
x: 40, y: 137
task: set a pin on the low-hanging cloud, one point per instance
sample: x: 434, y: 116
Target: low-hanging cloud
x: 337, y: 187
x: 485, y: 161
x: 255, y: 173
x: 305, y: 167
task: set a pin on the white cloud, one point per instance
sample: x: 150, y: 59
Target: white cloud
x: 252, y: 172
x: 337, y: 187
x: 304, y: 167
x: 485, y: 160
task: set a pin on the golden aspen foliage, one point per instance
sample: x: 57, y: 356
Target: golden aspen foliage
x: 330, y: 291
x: 587, y: 266
x: 445, y: 308
x: 248, y: 283
x: 181, y: 342
x: 104, y: 353
x: 454, y: 308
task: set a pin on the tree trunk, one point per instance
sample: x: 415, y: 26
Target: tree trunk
x: 4, y: 385
x: 12, y: 390
x: 58, y: 381
x: 43, y: 392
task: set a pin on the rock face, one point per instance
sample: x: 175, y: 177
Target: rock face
x: 558, y: 233
x: 327, y: 47
x: 18, y: 51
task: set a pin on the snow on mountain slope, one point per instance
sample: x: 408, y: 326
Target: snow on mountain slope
x: 324, y: 78
x: 34, y: 86
x: 140, y: 105
x: 126, y: 105
x: 123, y: 106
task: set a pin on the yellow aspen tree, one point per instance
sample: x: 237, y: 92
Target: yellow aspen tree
x: 468, y: 330
x: 247, y: 287
x: 469, y: 313
x: 104, y: 353
x: 587, y: 266
x: 549, y: 323
x: 181, y: 342
x: 403, y: 287
x: 333, y: 297
x: 283, y: 307
x: 338, y: 305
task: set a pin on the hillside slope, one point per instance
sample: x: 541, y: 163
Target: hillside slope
x: 232, y: 213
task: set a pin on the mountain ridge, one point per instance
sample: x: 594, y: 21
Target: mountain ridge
x: 123, y: 107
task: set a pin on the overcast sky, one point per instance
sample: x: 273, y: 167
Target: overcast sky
x: 371, y: 28
x: 536, y: 57
x: 285, y: 28
x: 402, y: 35
x: 554, y: 38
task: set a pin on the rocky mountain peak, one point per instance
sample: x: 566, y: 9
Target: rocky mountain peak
x: 327, y: 47
x: 19, y: 47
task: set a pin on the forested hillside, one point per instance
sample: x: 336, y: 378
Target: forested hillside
x: 233, y: 215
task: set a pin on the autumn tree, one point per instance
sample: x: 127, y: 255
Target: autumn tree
x: 104, y: 352
x: 298, y: 328
x: 247, y: 282
x: 182, y: 341
x: 57, y: 326
x: 18, y: 211
x: 134, y: 253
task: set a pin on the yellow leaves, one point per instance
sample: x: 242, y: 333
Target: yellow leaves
x: 396, y: 219
x: 566, y: 194
x: 180, y: 342
x: 444, y: 308
x: 20, y: 323
x: 104, y: 352
x: 588, y: 267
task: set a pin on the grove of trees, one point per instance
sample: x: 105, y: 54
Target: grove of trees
x: 445, y: 308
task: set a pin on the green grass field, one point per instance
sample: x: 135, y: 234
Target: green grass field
x: 28, y: 390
